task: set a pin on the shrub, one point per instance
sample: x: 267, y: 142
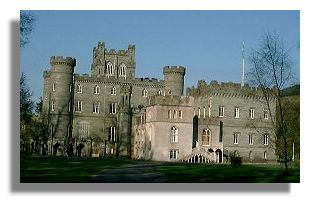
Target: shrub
x: 235, y: 160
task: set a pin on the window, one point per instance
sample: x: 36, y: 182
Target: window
x: 70, y: 87
x: 265, y: 155
x: 122, y: 71
x: 198, y: 112
x: 266, y: 113
x: 144, y: 93
x: 204, y: 111
x: 110, y: 69
x: 83, y: 129
x: 206, y: 135
x: 174, y: 154
x: 54, y: 87
x: 169, y: 114
x: 266, y: 139
x: 53, y: 105
x: 113, y: 108
x: 221, y: 111
x: 96, y: 107
x: 174, y: 114
x: 174, y: 134
x: 99, y: 70
x: 78, y: 106
x: 160, y: 92
x: 79, y: 88
x: 236, y: 138
x: 180, y: 114
x: 251, y: 113
x: 250, y: 139
x: 69, y: 106
x: 250, y: 155
x: 113, y: 91
x: 112, y: 135
x: 96, y: 89
x: 237, y: 112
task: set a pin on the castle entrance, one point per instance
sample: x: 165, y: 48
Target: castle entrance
x: 55, y: 148
x: 79, y: 149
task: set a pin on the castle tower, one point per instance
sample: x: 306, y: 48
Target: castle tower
x: 58, y: 102
x: 113, y: 64
x: 174, y: 80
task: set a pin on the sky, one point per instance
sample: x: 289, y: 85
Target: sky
x: 207, y: 43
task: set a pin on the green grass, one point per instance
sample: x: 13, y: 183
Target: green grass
x: 81, y: 170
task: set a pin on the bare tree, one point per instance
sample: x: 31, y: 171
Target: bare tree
x: 271, y: 68
x: 26, y: 26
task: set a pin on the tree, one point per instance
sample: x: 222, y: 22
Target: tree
x: 26, y: 27
x: 271, y: 69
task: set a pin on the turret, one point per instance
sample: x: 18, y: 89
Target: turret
x: 174, y: 80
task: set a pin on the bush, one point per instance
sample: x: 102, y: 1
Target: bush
x: 235, y: 160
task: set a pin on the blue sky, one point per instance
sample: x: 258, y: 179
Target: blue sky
x: 207, y: 43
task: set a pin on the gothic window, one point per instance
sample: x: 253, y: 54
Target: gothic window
x: 113, y: 91
x: 113, y: 108
x: 237, y: 110
x: 83, y: 129
x: 174, y: 154
x: 79, y: 88
x: 97, y: 90
x: 251, y: 113
x: 266, y: 139
x: 174, y: 134
x: 53, y: 105
x: 221, y: 111
x: 160, y: 92
x: 78, y: 106
x: 206, y: 136
x: 265, y: 155
x: 144, y: 93
x: 96, y: 107
x: 112, y: 134
x: 122, y: 71
x: 110, y: 69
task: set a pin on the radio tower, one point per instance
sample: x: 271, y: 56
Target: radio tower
x: 242, y: 76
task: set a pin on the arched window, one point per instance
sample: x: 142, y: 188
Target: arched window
x: 110, y: 69
x: 144, y: 93
x: 169, y: 113
x: 174, y: 134
x: 206, y: 137
x: 79, y: 88
x: 265, y: 154
x: 122, y: 70
x: 97, y: 89
x: 160, y: 92
x: 113, y: 91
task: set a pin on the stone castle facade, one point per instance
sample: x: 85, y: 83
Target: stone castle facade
x: 113, y: 113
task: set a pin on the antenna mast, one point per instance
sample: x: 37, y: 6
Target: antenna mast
x: 242, y: 77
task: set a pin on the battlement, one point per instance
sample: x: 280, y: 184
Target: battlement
x: 225, y: 89
x: 171, y: 100
x: 60, y: 60
x: 174, y: 70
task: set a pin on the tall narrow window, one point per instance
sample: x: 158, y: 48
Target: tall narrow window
x: 113, y: 91
x: 221, y: 111
x: 122, y: 71
x: 180, y: 114
x: 160, y: 92
x: 237, y: 112
x: 144, y: 93
x: 78, y: 106
x: 265, y: 155
x: 54, y: 87
x: 174, y: 134
x: 79, y: 88
x: 236, y: 138
x: 169, y: 114
x: 266, y: 139
x: 96, y: 107
x: 266, y: 113
x: 69, y: 106
x: 204, y: 111
x: 97, y: 90
x: 174, y: 114
x: 251, y: 113
x: 113, y: 108
x: 206, y: 136
x: 112, y: 134
x: 250, y: 139
x: 53, y: 105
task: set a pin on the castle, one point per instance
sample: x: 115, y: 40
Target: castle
x: 113, y: 113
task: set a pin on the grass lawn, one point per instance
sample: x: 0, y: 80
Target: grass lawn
x: 82, y: 170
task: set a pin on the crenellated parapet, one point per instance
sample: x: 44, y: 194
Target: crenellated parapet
x: 172, y: 100
x: 174, y: 70
x: 226, y: 89
x: 60, y: 60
